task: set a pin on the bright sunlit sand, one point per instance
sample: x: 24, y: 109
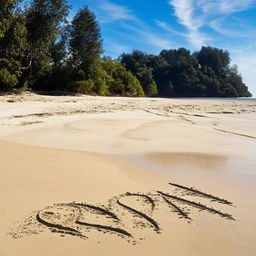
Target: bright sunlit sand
x: 94, y: 175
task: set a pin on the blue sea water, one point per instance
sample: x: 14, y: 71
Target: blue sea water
x: 240, y: 99
x: 226, y: 99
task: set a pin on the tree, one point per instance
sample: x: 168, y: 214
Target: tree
x: 85, y: 40
x: 217, y: 59
x: 208, y: 78
x: 13, y: 41
x: 122, y: 82
x: 180, y: 74
x: 10, y: 72
x: 7, y: 8
x: 221, y: 79
x: 145, y: 76
x: 235, y: 79
x: 44, y: 19
x: 138, y: 63
x: 59, y: 49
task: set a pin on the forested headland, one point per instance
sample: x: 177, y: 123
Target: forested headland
x: 41, y: 50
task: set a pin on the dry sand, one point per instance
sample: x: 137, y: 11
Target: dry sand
x: 85, y: 175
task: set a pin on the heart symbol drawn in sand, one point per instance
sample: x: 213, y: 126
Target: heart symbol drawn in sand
x: 71, y: 219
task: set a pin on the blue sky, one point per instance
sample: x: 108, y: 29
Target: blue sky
x: 153, y: 25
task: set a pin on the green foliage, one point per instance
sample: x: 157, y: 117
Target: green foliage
x: 139, y: 64
x: 206, y: 73
x: 146, y: 79
x: 132, y: 85
x: 14, y: 42
x: 217, y: 59
x: 7, y: 80
x: 43, y: 22
x: 85, y: 46
x: 12, y: 65
x: 121, y: 82
x: 9, y: 74
x: 100, y: 78
x: 235, y: 80
x: 85, y: 39
x: 4, y: 25
x: 85, y: 86
x: 58, y: 49
x: 107, y: 77
x: 12, y: 31
x: 151, y: 89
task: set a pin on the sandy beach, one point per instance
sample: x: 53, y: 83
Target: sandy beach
x: 84, y: 175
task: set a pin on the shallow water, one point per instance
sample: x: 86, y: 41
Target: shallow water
x: 166, y: 162
x: 198, y: 169
x: 226, y: 99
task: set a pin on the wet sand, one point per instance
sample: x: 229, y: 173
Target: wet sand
x: 119, y: 182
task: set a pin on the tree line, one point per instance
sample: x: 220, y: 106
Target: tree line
x: 41, y: 50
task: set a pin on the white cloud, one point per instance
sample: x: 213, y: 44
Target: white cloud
x: 114, y: 12
x: 157, y: 41
x: 164, y: 25
x: 196, y: 14
x: 235, y: 29
x: 114, y: 49
x: 224, y: 6
x: 168, y: 28
x: 146, y: 36
x: 185, y: 12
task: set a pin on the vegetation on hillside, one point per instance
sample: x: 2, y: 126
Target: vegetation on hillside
x: 40, y: 49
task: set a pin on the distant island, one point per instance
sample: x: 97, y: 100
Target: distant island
x: 41, y: 50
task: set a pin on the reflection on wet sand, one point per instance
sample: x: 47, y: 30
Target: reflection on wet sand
x: 199, y: 160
